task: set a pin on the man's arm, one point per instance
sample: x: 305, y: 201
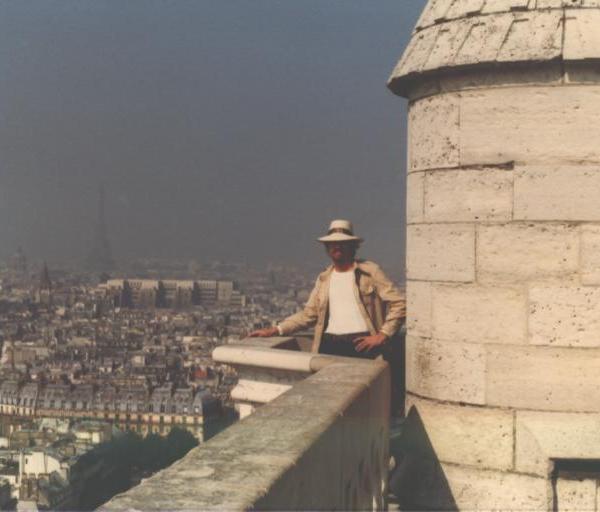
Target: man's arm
x: 396, y: 303
x: 389, y: 293
x: 296, y: 322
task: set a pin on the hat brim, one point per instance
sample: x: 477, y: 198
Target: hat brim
x: 339, y: 237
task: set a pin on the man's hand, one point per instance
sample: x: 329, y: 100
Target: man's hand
x: 265, y: 333
x: 366, y: 343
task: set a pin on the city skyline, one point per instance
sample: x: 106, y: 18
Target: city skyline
x: 221, y: 130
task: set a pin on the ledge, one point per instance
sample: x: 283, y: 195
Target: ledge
x: 323, y: 444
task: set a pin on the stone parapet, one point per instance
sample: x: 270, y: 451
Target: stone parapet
x: 321, y: 445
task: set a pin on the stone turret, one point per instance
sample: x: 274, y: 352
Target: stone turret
x: 503, y: 253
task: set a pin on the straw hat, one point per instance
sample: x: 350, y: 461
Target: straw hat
x: 340, y: 231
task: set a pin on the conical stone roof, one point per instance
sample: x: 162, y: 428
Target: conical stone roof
x: 455, y: 34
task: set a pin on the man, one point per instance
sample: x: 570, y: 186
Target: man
x: 354, y: 307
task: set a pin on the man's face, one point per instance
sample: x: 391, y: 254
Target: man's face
x: 341, y: 252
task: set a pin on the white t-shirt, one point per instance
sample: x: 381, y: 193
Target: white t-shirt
x: 344, y: 312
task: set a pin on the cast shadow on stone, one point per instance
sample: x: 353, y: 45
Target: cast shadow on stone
x: 418, y: 481
x: 395, y: 355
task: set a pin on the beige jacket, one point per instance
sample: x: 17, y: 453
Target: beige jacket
x: 380, y: 301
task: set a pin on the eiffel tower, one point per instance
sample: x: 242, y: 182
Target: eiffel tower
x: 100, y: 256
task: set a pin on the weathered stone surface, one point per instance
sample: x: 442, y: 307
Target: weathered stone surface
x: 582, y: 38
x: 551, y: 73
x: 433, y: 133
x: 463, y: 488
x: 473, y: 436
x: 477, y: 314
x: 549, y: 4
x: 533, y: 36
x: 449, y: 41
x: 503, y: 5
x: 444, y: 252
x: 542, y: 436
x: 518, y: 252
x: 576, y: 495
x: 484, y: 40
x: 283, y: 455
x: 564, y: 316
x: 542, y: 378
x: 557, y: 192
x: 414, y: 197
x: 458, y: 9
x: 590, y: 254
x: 446, y: 371
x: 547, y: 125
x: 434, y: 11
x: 468, y: 196
x: 417, y: 52
x: 418, y: 308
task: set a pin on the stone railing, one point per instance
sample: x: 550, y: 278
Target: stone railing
x: 321, y: 443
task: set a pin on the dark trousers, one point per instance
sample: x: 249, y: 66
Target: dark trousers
x: 343, y: 345
x: 392, y: 351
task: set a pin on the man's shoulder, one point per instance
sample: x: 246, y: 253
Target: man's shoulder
x: 325, y: 274
x: 367, y: 266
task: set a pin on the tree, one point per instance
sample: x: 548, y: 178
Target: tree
x: 179, y: 442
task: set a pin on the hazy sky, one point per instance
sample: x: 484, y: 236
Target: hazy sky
x: 231, y: 129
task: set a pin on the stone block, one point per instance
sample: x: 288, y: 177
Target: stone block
x: 543, y: 378
x: 576, y: 495
x: 542, y: 436
x: 532, y: 125
x: 468, y: 196
x: 441, y: 252
x: 564, y: 316
x: 581, y: 72
x: 484, y: 40
x: 435, y: 10
x: 450, y: 40
x: 462, y: 8
x: 416, y: 53
x: 590, y: 254
x: 535, y: 35
x: 557, y: 193
x: 418, y: 308
x: 433, y: 133
x: 446, y: 371
x: 463, y: 488
x: 519, y: 252
x: 477, y: 314
x: 549, y: 4
x: 414, y: 197
x: 476, y: 78
x: 582, y: 38
x: 492, y: 6
x: 475, y: 436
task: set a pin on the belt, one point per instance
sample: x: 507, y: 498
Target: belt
x: 345, y: 337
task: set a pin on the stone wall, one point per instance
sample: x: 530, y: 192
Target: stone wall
x: 321, y: 445
x: 503, y: 344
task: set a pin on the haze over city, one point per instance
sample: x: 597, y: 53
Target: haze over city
x: 219, y: 129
